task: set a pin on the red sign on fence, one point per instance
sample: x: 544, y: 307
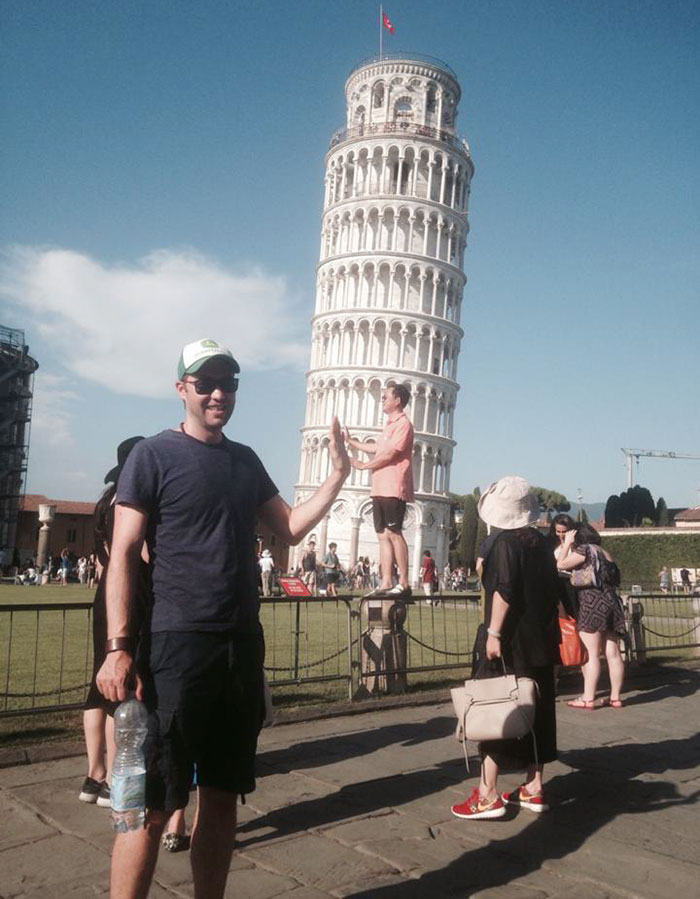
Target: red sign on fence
x: 294, y: 586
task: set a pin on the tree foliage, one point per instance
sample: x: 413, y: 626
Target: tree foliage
x: 550, y: 500
x: 630, y: 508
x: 470, y: 526
x: 663, y: 519
x: 641, y: 556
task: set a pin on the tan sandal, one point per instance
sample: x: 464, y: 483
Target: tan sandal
x: 581, y: 703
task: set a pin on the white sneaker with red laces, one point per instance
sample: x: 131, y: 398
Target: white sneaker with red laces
x: 534, y: 802
x: 476, y: 808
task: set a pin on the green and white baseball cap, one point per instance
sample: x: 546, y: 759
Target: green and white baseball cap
x: 194, y: 355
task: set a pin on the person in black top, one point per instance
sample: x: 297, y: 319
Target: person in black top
x: 520, y: 582
x: 98, y: 724
x: 194, y: 496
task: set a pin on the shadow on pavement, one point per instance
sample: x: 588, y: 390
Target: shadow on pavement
x: 584, y: 800
x: 326, y: 750
x: 685, y: 683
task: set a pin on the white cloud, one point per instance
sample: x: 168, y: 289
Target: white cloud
x: 51, y: 411
x: 123, y: 326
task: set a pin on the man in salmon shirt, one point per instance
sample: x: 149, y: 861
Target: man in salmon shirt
x: 392, y: 487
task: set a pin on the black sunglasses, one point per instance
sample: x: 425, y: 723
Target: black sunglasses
x: 206, y: 386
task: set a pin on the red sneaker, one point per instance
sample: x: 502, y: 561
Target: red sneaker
x: 533, y: 802
x: 475, y: 807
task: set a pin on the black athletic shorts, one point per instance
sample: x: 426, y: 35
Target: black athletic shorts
x: 388, y: 513
x: 205, y: 696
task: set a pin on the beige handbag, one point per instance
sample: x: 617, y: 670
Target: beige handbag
x: 495, y: 708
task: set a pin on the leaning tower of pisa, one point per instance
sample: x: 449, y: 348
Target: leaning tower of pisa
x: 389, y: 293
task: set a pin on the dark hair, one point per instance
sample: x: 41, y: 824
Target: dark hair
x: 402, y: 394
x: 585, y: 533
x: 427, y: 553
x: 103, y: 509
x: 561, y: 518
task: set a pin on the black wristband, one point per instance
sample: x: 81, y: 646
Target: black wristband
x: 115, y: 644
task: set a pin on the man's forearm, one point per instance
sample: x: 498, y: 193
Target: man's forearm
x: 121, y: 574
x: 381, y: 460
x: 308, y: 514
x: 369, y: 448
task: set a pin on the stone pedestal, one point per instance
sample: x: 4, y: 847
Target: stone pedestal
x: 635, y: 613
x: 384, y: 647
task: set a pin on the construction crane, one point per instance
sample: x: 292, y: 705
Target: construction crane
x: 632, y: 457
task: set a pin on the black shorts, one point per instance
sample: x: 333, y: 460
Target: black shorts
x: 205, y: 697
x: 388, y: 513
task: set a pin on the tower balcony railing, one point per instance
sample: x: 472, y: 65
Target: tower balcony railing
x: 400, y: 127
x: 408, y: 57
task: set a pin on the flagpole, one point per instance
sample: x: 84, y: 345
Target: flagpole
x: 381, y: 21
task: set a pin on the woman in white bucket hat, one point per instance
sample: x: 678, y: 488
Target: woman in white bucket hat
x: 520, y: 582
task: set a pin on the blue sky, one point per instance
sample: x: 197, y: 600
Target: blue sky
x: 161, y: 171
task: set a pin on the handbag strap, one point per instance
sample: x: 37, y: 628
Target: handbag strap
x: 485, y: 664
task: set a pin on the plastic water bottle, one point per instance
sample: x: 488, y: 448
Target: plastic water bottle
x: 128, y: 790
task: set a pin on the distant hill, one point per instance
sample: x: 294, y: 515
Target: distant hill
x: 593, y: 510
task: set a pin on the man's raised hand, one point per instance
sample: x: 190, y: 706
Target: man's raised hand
x: 337, y: 449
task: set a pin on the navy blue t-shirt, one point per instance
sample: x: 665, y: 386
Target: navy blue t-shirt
x: 202, y: 501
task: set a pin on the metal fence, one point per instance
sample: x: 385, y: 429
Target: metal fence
x: 45, y: 656
x: 308, y: 641
x: 663, y: 624
x: 349, y: 642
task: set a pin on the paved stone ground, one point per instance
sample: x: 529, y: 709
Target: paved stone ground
x: 359, y: 806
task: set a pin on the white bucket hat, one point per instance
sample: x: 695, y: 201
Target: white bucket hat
x: 508, y: 504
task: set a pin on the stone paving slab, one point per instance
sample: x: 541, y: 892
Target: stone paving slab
x: 359, y: 806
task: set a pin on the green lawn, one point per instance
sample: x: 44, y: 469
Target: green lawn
x: 46, y: 655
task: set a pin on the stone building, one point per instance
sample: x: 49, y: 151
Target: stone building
x: 389, y: 292
x: 72, y: 528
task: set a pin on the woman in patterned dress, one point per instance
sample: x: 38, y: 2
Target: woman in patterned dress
x: 600, y: 620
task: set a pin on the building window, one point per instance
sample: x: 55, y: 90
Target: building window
x: 273, y: 540
x: 71, y: 535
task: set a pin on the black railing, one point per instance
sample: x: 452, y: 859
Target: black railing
x: 363, y: 645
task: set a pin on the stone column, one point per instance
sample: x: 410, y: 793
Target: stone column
x: 417, y: 553
x: 355, y: 523
x: 323, y: 535
x: 440, y: 553
x: 47, y: 513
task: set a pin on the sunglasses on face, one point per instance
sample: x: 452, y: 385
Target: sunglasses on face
x: 206, y: 386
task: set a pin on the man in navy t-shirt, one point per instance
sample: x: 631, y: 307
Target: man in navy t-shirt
x: 193, y: 497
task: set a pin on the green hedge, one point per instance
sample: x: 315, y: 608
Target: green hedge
x: 641, y: 557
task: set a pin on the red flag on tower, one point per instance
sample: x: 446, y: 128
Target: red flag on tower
x: 387, y: 24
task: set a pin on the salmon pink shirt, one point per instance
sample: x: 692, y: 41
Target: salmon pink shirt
x: 395, y: 478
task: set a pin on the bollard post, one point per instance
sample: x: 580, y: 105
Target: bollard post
x: 384, y: 647
x: 635, y: 613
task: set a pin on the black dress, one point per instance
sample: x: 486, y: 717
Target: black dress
x: 521, y: 567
